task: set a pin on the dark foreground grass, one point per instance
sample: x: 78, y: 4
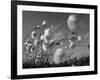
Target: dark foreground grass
x: 35, y: 57
x: 44, y: 61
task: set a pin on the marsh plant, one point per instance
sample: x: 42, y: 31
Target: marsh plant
x: 46, y: 47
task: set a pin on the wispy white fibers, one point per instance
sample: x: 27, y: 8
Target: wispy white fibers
x: 56, y: 58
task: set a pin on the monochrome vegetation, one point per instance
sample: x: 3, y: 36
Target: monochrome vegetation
x: 48, y: 50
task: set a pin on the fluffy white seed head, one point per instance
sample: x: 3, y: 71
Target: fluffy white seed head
x: 26, y: 43
x: 36, y: 42
x: 72, y: 45
x: 44, y: 46
x: 44, y: 23
x: 47, y: 32
x: 52, y: 40
x: 28, y: 46
x: 33, y: 34
x: 38, y: 26
x: 42, y: 37
x: 79, y: 38
x: 56, y: 57
x: 46, y: 35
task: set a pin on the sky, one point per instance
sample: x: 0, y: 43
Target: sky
x: 34, y: 18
